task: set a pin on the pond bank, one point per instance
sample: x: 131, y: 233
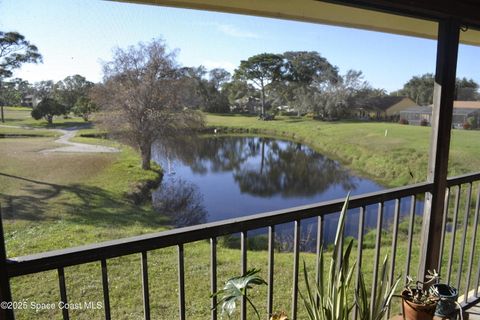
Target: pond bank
x: 390, y: 154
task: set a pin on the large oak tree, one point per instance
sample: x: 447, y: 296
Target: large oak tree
x: 262, y: 70
x: 141, y: 97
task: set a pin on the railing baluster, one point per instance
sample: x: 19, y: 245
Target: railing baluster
x: 106, y: 293
x: 319, y: 248
x: 181, y: 282
x: 296, y: 256
x: 243, y: 249
x: 472, y: 246
x: 464, y: 235
x: 213, y: 276
x: 318, y: 276
x: 444, y: 229
x: 477, y: 283
x: 63, y: 292
x: 393, y: 254
x: 271, y: 257
x: 361, y: 225
x: 454, y: 233
x: 146, y: 295
x: 411, y: 222
x: 378, y: 240
x: 5, y: 291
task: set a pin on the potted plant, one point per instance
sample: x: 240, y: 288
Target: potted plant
x: 418, y: 302
x: 447, y: 303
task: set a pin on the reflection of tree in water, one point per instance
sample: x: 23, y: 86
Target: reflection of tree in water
x: 215, y: 154
x: 181, y: 201
x: 285, y: 168
x: 291, y: 171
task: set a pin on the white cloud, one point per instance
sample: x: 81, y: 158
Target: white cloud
x: 227, y: 65
x: 233, y: 31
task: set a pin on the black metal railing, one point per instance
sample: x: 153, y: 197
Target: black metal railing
x: 458, y: 255
x: 410, y: 195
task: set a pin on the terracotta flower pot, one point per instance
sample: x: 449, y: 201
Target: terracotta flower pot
x: 415, y: 311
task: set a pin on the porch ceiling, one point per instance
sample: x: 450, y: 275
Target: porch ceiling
x: 332, y: 14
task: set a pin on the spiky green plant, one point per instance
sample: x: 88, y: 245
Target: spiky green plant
x: 329, y: 298
x: 235, y: 289
x: 384, y: 293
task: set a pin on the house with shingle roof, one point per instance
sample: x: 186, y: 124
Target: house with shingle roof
x: 462, y: 111
x: 383, y: 108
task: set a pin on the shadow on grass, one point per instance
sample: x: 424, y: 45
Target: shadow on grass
x: 294, y: 120
x: 248, y: 115
x: 79, y: 203
x: 63, y: 125
x: 21, y: 135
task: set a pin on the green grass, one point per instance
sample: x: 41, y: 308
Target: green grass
x: 57, y: 200
x: 20, y: 116
x: 20, y: 132
x: 61, y: 200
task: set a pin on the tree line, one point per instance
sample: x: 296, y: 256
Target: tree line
x: 146, y: 94
x: 420, y: 89
x: 49, y: 98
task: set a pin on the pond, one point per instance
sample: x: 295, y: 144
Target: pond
x: 219, y: 177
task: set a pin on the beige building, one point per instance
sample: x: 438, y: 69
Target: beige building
x: 383, y: 108
x: 462, y: 111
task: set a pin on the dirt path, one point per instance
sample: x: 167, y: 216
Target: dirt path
x: 72, y: 147
x: 76, y: 146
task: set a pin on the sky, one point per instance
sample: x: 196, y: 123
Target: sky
x: 77, y: 36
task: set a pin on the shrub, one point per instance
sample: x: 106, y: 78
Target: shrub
x: 424, y: 123
x: 472, y: 121
x: 466, y: 125
x: 403, y: 121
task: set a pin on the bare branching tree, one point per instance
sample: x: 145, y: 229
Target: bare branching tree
x: 141, y: 97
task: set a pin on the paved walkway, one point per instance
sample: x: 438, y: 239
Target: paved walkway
x: 72, y: 147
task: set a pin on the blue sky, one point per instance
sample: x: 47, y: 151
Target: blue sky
x: 75, y: 36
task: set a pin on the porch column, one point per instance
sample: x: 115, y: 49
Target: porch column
x: 443, y: 96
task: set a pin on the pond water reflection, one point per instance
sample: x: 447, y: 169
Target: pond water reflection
x: 220, y: 177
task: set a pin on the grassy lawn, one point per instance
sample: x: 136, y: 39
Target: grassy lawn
x: 58, y: 200
x: 20, y: 116
x: 390, y: 153
x: 54, y: 200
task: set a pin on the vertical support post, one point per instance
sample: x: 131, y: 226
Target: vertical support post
x: 271, y: 266
x: 181, y: 282
x: 5, y: 293
x: 296, y: 257
x: 146, y: 294
x: 443, y: 96
x: 213, y: 277
x: 243, y: 249
x: 378, y: 244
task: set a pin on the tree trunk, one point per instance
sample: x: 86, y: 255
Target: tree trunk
x: 50, y: 120
x: 263, y: 156
x: 3, y: 117
x: 146, y: 153
x: 263, y: 100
